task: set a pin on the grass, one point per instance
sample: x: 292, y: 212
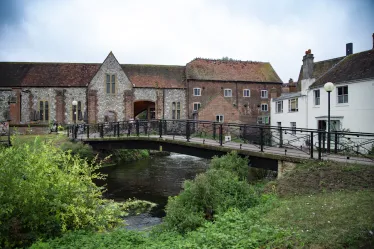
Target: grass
x: 328, y: 220
x: 57, y: 139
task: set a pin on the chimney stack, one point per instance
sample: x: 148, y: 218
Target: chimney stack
x: 308, y: 64
x: 349, y: 49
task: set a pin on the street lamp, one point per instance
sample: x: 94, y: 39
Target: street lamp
x: 74, y: 103
x: 329, y: 86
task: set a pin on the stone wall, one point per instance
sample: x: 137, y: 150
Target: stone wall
x: 4, y: 106
x: 110, y: 102
x: 148, y: 94
x: 175, y: 95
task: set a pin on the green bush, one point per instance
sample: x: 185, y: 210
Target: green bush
x: 78, y: 148
x: 45, y: 192
x: 125, y: 155
x: 214, y: 192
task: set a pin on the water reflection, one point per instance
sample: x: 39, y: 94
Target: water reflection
x: 152, y: 179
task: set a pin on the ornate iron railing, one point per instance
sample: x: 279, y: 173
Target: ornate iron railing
x: 284, y: 140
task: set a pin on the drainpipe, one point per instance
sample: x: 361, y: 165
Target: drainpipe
x: 237, y: 96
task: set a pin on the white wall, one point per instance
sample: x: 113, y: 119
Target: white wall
x: 287, y: 117
x: 358, y: 113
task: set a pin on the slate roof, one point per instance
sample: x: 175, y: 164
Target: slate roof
x: 31, y: 74
x: 228, y: 70
x: 288, y: 96
x: 161, y: 76
x: 352, y: 67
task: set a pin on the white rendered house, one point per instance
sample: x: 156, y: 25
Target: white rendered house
x: 351, y: 101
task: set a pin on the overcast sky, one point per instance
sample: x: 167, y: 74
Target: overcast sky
x: 175, y: 32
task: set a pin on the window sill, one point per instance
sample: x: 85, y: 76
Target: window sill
x: 342, y: 105
x: 228, y: 96
x: 292, y: 111
x: 316, y: 106
x: 278, y: 112
x: 196, y: 95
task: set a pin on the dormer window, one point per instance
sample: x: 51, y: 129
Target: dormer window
x: 110, y: 83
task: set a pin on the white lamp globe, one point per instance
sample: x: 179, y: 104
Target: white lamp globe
x: 329, y: 86
x: 74, y: 102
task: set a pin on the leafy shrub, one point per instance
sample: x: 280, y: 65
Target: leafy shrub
x: 78, y: 148
x: 125, y: 155
x: 214, y: 192
x: 45, y: 192
x: 60, y: 128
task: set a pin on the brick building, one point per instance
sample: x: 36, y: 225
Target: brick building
x: 221, y: 90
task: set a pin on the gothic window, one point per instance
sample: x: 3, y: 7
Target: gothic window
x: 110, y: 83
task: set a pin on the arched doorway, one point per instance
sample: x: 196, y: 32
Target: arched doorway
x: 144, y: 109
x: 110, y: 116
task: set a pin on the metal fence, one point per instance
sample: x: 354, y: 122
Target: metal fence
x: 311, y: 142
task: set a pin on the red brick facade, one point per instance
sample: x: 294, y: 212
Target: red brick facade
x: 219, y: 106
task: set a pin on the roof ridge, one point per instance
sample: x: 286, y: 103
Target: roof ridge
x: 39, y: 62
x: 229, y: 61
x: 152, y: 65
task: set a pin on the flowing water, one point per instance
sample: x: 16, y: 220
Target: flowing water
x: 152, y: 179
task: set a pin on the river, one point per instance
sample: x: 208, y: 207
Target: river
x: 152, y: 179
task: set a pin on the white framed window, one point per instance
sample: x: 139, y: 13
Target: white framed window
x: 293, y: 128
x: 264, y: 94
x: 317, y: 97
x: 279, y: 106
x: 196, y: 106
x: 219, y: 118
x: 263, y: 120
x: 264, y: 107
x: 342, y: 92
x: 227, y: 92
x: 110, y: 83
x: 293, y: 105
x: 246, y: 93
x: 197, y: 91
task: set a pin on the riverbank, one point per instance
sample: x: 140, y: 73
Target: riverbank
x: 318, y: 205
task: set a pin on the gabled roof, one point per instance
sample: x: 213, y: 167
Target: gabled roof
x: 31, y: 74
x: 161, y: 76
x: 320, y: 68
x: 352, y: 67
x: 229, y: 70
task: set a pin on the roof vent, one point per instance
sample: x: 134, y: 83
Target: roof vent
x: 349, y: 48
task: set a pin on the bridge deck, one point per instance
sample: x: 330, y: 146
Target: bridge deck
x: 284, y: 151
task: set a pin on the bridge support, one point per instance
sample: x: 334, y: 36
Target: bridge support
x: 283, y: 167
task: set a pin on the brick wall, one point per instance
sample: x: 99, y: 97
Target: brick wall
x: 249, y: 108
x: 219, y: 106
x: 92, y: 106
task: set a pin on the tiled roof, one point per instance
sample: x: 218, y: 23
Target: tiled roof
x: 320, y: 68
x: 228, y: 70
x: 30, y: 74
x: 161, y: 76
x: 353, y: 67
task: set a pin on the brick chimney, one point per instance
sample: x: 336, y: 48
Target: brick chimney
x: 308, y: 64
x: 273, y: 93
x: 349, y: 49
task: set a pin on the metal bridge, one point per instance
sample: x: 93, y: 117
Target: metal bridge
x: 214, y: 138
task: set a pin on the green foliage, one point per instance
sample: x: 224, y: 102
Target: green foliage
x: 231, y: 162
x: 45, y: 192
x: 214, y: 192
x: 125, y: 155
x: 79, y: 148
x: 60, y: 128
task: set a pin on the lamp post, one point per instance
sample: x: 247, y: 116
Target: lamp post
x: 329, y: 86
x: 74, y: 103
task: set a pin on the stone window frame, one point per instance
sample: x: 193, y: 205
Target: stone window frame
x: 79, y: 117
x: 198, y: 104
x: 317, y: 99
x: 220, y: 118
x: 296, y: 107
x: 277, y: 106
x: 246, y: 93
x: 176, y: 110
x: 342, y: 98
x: 111, y: 83
x: 264, y: 94
x: 228, y: 90
x: 42, y: 114
x: 197, y: 89
x: 264, y: 107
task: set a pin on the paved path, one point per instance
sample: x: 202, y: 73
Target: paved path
x: 291, y: 152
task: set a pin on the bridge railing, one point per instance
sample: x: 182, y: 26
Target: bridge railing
x: 273, y: 139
